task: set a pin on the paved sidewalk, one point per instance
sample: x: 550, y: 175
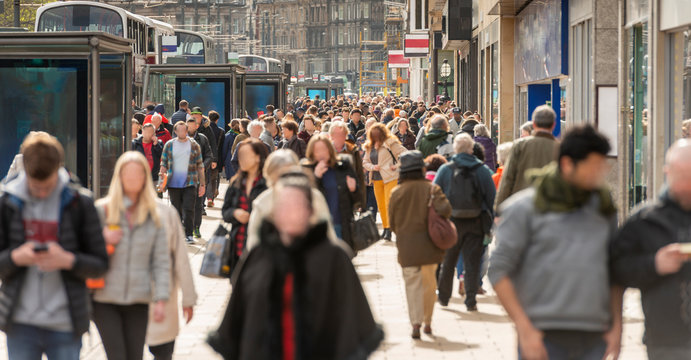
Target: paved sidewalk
x: 458, y: 334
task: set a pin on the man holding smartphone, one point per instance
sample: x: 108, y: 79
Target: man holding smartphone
x: 50, y: 242
x: 650, y: 253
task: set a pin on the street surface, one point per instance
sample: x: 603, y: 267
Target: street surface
x: 458, y: 334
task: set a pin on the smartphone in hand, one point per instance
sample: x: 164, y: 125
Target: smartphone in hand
x: 40, y: 247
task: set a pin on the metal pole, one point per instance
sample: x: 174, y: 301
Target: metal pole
x: 16, y: 13
x: 95, y: 121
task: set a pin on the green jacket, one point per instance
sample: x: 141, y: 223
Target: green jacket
x: 430, y: 142
x: 528, y: 153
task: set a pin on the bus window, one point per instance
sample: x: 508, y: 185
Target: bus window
x: 151, y: 47
x: 81, y: 18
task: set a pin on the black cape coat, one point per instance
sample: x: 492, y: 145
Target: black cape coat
x: 333, y: 319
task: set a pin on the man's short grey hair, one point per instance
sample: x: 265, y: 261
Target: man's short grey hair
x: 544, y: 117
x: 481, y: 130
x: 463, y: 144
x: 402, y: 113
x: 503, y: 152
x: 439, y: 122
x: 339, y: 125
x: 156, y: 116
x: 253, y: 124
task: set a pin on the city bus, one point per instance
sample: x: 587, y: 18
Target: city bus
x: 256, y: 63
x: 92, y: 16
x: 192, y: 48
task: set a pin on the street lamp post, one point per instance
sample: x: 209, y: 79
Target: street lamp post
x: 445, y: 73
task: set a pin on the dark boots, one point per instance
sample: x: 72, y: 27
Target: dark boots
x: 386, y: 235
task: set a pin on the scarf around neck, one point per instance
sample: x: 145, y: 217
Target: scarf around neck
x: 554, y: 194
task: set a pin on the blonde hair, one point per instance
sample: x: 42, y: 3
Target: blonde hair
x: 114, y: 201
x: 481, y: 130
x: 686, y: 129
x: 276, y: 162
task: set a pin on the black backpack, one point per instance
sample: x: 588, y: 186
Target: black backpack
x: 464, y: 195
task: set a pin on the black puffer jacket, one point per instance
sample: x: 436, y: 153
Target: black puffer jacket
x: 80, y: 233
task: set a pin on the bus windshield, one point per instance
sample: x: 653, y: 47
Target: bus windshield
x: 81, y: 18
x: 253, y: 63
x: 189, y: 44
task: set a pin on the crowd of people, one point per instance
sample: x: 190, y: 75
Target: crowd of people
x: 296, y: 178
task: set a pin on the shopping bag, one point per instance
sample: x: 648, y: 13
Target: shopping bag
x: 216, y: 262
x: 365, y: 232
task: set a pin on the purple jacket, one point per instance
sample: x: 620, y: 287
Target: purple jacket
x: 490, y: 151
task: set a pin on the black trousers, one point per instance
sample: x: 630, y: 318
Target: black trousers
x: 163, y: 351
x: 198, y: 208
x: 184, y: 201
x: 470, y: 244
x: 122, y: 329
x: 212, y: 184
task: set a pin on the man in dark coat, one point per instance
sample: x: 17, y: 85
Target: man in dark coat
x: 651, y: 253
x: 296, y: 294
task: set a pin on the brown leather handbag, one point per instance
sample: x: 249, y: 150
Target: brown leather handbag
x: 442, y: 231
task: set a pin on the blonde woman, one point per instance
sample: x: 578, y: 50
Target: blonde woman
x: 140, y: 264
x: 160, y: 336
x: 382, y: 150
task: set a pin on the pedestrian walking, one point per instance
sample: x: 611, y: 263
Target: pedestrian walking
x: 550, y: 266
x: 370, y: 198
x: 355, y: 124
x: 532, y: 152
x: 338, y: 133
x: 310, y: 303
x: 438, y: 140
x: 284, y: 163
x: 50, y: 241
x: 405, y: 136
x: 482, y: 138
x: 244, y: 134
x: 417, y: 254
x: 160, y: 336
x: 503, y: 152
x: 244, y: 187
x: 382, y: 150
x: 162, y: 132
x: 182, y: 164
x: 456, y: 121
x: 139, y: 271
x: 214, y: 178
x: 152, y: 148
x: 650, y: 253
x: 290, y: 139
x: 136, y: 128
x: 468, y: 185
x: 527, y: 129
x: 226, y: 154
x: 309, y: 129
x: 208, y: 158
x: 432, y: 165
x: 270, y: 132
x: 182, y: 113
x: 336, y: 179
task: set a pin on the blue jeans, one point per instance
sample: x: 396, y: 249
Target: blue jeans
x: 28, y: 342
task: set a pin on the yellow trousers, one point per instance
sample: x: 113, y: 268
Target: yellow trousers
x: 382, y: 192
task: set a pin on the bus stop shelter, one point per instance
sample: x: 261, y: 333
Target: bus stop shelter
x: 324, y: 89
x: 73, y: 85
x: 265, y: 89
x: 219, y: 87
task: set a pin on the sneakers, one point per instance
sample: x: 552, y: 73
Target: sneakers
x: 481, y: 291
x: 196, y: 233
x: 189, y: 240
x: 416, y: 332
x: 472, y: 308
x: 428, y: 329
x: 210, y: 203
